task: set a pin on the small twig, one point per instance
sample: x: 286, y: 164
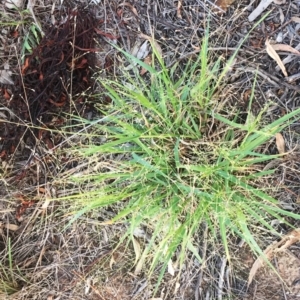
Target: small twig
x: 227, y: 274
x: 262, y: 74
x: 292, y: 77
x: 92, y: 286
x: 221, y: 278
x: 150, y: 14
x: 259, y: 9
x: 200, y: 277
x: 281, y: 27
x: 270, y: 78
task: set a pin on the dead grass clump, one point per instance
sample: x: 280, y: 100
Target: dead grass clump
x: 52, y: 80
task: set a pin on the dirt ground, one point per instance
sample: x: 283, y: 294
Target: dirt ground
x: 42, y: 255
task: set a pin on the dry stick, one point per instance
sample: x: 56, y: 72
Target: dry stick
x: 259, y: 9
x: 281, y: 27
x: 200, y: 277
x: 147, y: 14
x: 277, y: 82
x: 228, y: 271
x: 292, y: 77
x: 221, y: 278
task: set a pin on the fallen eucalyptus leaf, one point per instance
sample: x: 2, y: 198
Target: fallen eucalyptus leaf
x: 137, y: 249
x: 287, y: 48
x: 273, y: 54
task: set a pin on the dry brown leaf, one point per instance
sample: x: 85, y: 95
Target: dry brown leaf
x: 6, y: 94
x: 287, y: 48
x: 286, y: 241
x: 273, y: 54
x: 148, y: 61
x: 280, y: 144
x: 25, y: 66
x: 295, y: 19
x: 224, y: 4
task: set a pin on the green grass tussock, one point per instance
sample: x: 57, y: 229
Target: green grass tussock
x: 179, y: 159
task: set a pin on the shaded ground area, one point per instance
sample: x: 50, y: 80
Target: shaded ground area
x: 43, y: 256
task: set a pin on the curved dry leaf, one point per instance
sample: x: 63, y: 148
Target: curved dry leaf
x: 287, y: 48
x: 273, y: 54
x: 137, y: 249
x: 112, y: 262
x: 148, y: 61
x: 280, y: 144
x: 286, y: 241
